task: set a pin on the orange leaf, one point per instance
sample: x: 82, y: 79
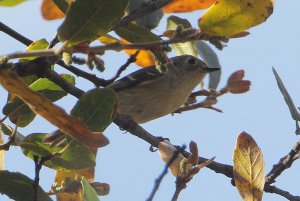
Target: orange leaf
x: 177, y: 6
x: 69, y: 125
x: 50, y: 11
x: 144, y: 59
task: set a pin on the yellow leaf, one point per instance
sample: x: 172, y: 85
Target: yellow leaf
x: 73, y: 175
x: 50, y: 11
x: 229, y: 17
x: 69, y: 125
x: 248, y: 168
x: 177, y: 6
x: 107, y: 39
x: 35, y: 45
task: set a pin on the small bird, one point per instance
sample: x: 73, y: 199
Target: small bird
x: 148, y: 94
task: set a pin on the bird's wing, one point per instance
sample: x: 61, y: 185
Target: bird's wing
x: 142, y: 75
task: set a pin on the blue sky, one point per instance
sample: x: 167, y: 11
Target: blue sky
x: 128, y: 166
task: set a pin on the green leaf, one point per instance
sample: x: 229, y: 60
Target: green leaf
x: 20, y: 113
x: 289, y: 101
x: 95, y: 108
x: 88, y: 191
x: 75, y: 155
x: 35, y: 45
x: 136, y: 34
x: 10, y: 3
x: 88, y: 19
x: 19, y: 187
x: 211, y: 59
x: 149, y: 21
x: 181, y: 48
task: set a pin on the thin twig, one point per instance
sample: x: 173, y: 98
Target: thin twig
x: 38, y: 166
x: 162, y: 175
x: 14, y: 34
x: 11, y: 140
x: 130, y: 60
x: 278, y: 191
x: 284, y: 163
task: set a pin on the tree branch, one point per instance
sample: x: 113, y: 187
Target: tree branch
x: 284, y: 163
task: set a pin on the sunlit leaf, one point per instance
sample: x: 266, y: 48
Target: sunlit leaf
x: 55, y: 115
x: 10, y: 3
x: 248, y: 168
x: 229, y: 17
x: 35, y: 45
x: 107, y: 39
x: 88, y: 19
x: 88, y: 191
x: 19, y: 187
x: 289, y: 101
x: 177, y: 6
x: 181, y: 48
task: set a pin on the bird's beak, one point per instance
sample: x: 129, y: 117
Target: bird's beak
x: 211, y: 69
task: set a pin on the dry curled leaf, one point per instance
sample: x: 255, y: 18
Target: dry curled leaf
x: 248, y: 168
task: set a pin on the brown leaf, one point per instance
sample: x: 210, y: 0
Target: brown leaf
x: 193, y: 157
x: 236, y: 76
x: 248, y: 168
x: 240, y: 87
x: 236, y: 84
x: 69, y: 125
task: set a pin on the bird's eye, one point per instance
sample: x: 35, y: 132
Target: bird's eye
x: 191, y: 61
